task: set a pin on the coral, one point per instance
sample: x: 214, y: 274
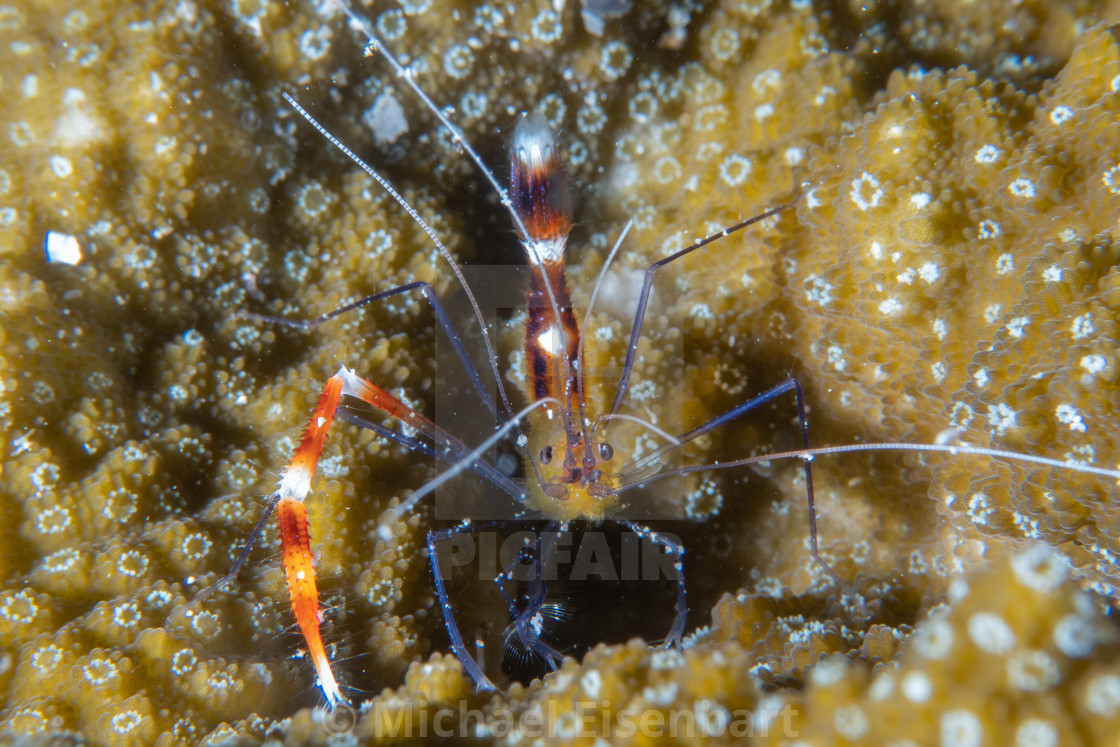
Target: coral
x: 949, y: 268
x: 1015, y: 650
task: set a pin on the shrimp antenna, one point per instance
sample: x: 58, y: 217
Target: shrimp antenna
x: 490, y: 354
x: 373, y: 45
x: 647, y: 284
x: 590, y: 306
x: 385, y: 531
x: 952, y: 450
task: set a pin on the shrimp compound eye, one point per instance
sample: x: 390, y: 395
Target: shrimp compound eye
x: 605, y: 451
x: 545, y: 455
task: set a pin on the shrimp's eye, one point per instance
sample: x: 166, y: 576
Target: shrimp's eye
x: 545, y: 455
x: 605, y: 451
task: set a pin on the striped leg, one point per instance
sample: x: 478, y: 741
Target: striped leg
x: 295, y: 542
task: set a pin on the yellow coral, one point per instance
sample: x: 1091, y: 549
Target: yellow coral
x: 951, y: 266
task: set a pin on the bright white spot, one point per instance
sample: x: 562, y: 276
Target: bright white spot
x: 836, y: 357
x: 890, y: 307
x: 866, y: 191
x: 917, y: 687
x: 987, y: 154
x: 991, y: 314
x: 735, y: 169
x: 981, y: 377
x: 701, y: 311
x: 850, y: 722
x: 458, y: 61
x: 939, y: 371
x: 125, y: 722
x: 1052, y: 274
x: 386, y: 119
x: 711, y: 717
x: 1068, y: 415
x: 988, y: 229
x: 979, y: 510
x: 1033, y: 671
x: 940, y: 328
x: 549, y: 340
x: 991, y: 633
x: 767, y: 79
x: 63, y: 248
x: 1082, y: 326
x: 1005, y: 263
x: 958, y: 590
x: 1016, y: 326
x: 961, y: 728
x: 1075, y: 636
x: 1001, y: 417
x: 828, y: 671
x: 1111, y: 179
x: 818, y: 290
x: 929, y: 272
x: 1061, y: 114
x: 61, y: 166
x: 1040, y: 568
x: 920, y: 200
x: 876, y: 250
x: 592, y: 683
x: 1103, y: 695
x: 1022, y: 187
x: 1036, y: 732
x: 763, y: 112
x: 1094, y: 364
x: 314, y: 44
x: 664, y: 693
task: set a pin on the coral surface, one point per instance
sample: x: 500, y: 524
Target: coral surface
x: 948, y: 272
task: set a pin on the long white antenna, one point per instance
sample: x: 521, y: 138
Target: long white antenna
x: 426, y: 228
x: 952, y: 450
x: 374, y: 44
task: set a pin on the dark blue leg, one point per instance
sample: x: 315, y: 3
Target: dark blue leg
x: 470, y: 665
x: 789, y: 385
x: 676, y: 631
x: 527, y: 623
x: 647, y: 286
x: 441, y: 317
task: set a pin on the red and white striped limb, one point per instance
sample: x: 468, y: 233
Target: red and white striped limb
x: 295, y: 541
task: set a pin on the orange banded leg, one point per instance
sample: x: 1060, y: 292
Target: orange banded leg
x: 295, y: 541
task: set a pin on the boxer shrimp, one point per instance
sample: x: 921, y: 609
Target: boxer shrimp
x: 571, y: 463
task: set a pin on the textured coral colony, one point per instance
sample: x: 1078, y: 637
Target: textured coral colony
x: 949, y: 269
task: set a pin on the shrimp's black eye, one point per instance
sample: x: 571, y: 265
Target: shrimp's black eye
x: 605, y: 451
x: 545, y: 455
